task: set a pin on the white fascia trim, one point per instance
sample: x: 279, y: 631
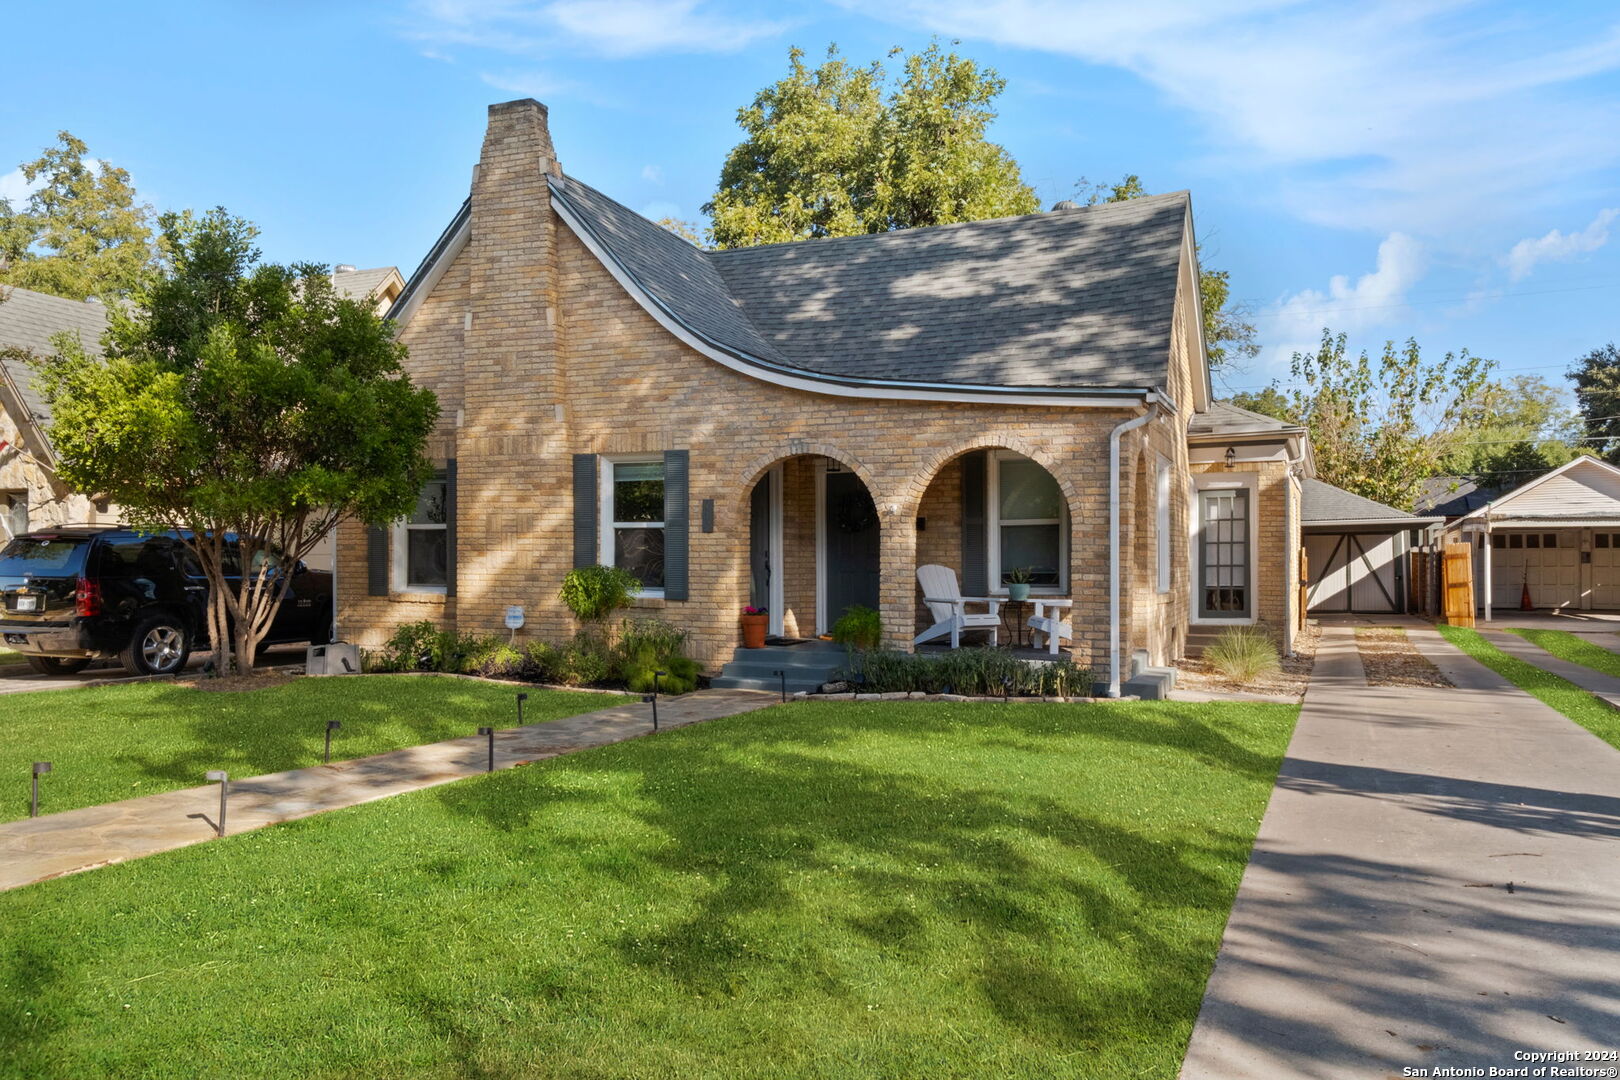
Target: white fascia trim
x: 879, y: 389
x: 1503, y: 500
x: 433, y: 272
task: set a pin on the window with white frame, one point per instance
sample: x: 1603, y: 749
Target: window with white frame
x: 422, y: 542
x: 1161, y: 525
x: 1028, y: 526
x: 633, y: 508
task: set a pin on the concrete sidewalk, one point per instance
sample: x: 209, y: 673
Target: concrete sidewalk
x: 75, y: 840
x: 1434, y: 884
x: 1604, y: 686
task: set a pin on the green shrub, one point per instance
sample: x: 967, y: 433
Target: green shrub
x: 1243, y: 653
x: 593, y: 593
x: 586, y: 659
x: 649, y: 645
x: 680, y: 676
x: 542, y: 662
x: 859, y: 628
x: 989, y: 672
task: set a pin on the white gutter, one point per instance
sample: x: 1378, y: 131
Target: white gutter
x: 1113, y: 541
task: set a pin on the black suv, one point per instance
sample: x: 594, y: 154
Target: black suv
x: 79, y: 593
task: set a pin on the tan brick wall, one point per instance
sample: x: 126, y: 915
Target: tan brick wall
x: 600, y: 376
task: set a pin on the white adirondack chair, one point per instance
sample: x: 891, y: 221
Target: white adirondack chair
x: 1048, y: 620
x: 948, y: 606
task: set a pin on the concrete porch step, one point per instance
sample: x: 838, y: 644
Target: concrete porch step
x: 1150, y: 683
x: 807, y: 665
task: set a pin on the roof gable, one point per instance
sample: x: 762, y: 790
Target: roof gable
x: 1584, y: 487
x: 29, y: 320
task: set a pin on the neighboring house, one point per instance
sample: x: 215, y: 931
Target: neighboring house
x: 31, y: 494
x: 1557, y: 536
x: 382, y: 285
x: 800, y: 426
x: 1451, y: 496
x: 1359, y: 552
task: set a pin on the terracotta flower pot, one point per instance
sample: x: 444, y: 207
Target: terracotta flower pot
x: 753, y: 630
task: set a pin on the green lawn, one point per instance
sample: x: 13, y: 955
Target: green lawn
x: 116, y: 742
x: 813, y: 890
x: 1591, y: 713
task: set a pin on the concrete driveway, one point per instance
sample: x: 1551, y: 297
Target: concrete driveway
x: 20, y: 678
x: 1436, y: 883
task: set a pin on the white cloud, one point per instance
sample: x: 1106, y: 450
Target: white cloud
x: 1556, y: 246
x: 611, y: 28
x: 652, y: 174
x: 1373, y: 299
x: 15, y: 187
x: 1420, y: 116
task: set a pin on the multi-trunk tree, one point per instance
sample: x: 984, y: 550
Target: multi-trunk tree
x: 247, y: 407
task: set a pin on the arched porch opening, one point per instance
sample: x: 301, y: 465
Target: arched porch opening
x: 814, y: 542
x: 999, y: 518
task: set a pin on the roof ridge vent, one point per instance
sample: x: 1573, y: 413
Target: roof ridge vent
x: 1066, y: 204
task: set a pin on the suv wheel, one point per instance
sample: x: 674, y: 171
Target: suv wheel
x: 159, y: 646
x: 57, y: 665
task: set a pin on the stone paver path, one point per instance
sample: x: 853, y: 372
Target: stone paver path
x: 1434, y: 884
x: 75, y: 840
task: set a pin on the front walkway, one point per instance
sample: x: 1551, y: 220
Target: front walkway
x: 75, y: 840
x: 1433, y: 884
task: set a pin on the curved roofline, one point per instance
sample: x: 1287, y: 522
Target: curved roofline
x: 817, y: 382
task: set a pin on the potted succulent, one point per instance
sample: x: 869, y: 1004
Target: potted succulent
x: 754, y: 623
x: 1018, y: 583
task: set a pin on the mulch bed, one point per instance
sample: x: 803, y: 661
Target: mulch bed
x: 1391, y: 659
x: 1291, y: 680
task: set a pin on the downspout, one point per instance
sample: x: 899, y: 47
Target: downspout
x: 1113, y: 540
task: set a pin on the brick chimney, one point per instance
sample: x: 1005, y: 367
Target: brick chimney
x: 510, y: 443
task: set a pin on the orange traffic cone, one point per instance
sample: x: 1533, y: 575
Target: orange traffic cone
x: 1524, y: 599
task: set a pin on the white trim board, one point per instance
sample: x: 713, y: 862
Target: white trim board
x: 1215, y: 481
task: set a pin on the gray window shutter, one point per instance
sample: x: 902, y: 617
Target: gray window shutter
x: 975, y: 526
x: 585, y: 499
x: 376, y: 562
x: 450, y: 528
x: 677, y: 492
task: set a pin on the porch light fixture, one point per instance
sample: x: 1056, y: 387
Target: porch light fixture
x: 331, y: 726
x: 224, y: 779
x: 1231, y: 459
x: 489, y: 734
x: 40, y: 769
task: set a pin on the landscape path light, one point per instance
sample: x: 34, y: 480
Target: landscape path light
x: 782, y: 674
x: 224, y: 779
x: 40, y: 769
x: 489, y: 733
x: 331, y: 726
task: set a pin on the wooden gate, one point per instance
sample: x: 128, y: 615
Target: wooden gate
x: 1458, y: 584
x: 1304, y: 584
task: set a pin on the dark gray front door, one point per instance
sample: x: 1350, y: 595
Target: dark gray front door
x: 850, y: 526
x: 1224, y: 590
x: 759, y: 544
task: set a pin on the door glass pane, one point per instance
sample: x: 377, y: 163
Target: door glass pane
x: 426, y: 559
x: 1028, y: 491
x: 1032, y: 546
x: 641, y: 551
x: 430, y: 504
x: 1224, y: 553
x: 638, y: 491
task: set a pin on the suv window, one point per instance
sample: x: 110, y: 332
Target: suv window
x: 135, y: 556
x: 45, y: 556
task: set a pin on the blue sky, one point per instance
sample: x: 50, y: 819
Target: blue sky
x: 1443, y: 169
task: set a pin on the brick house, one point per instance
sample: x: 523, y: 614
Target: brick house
x: 800, y: 426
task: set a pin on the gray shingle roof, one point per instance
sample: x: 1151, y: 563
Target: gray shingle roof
x: 1224, y: 418
x: 1321, y: 503
x: 1080, y: 299
x: 29, y: 320
x: 360, y: 284
x: 1452, y: 496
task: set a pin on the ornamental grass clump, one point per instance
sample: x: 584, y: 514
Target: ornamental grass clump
x: 1243, y: 654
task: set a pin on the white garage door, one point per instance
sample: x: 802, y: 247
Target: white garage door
x: 1606, y: 570
x: 1353, y: 572
x: 1548, y: 562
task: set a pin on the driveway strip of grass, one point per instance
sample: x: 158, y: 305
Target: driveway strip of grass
x: 831, y: 891
x: 1592, y: 713
x: 1572, y: 647
x: 118, y: 742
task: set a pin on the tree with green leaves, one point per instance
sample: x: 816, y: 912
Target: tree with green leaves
x: 1597, y: 391
x: 1270, y: 402
x: 1514, y: 430
x: 842, y: 150
x: 81, y: 233
x: 247, y: 398
x: 1227, y: 330
x: 1381, y: 428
